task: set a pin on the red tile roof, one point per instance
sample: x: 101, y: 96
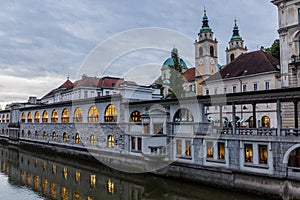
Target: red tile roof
x: 189, y: 74
x: 255, y: 62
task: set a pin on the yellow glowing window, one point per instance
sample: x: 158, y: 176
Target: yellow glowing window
x: 110, y: 187
x: 210, y: 150
x: 54, y: 116
x: 92, y: 181
x: 22, y: 177
x: 53, y: 190
x: 54, y: 136
x: 53, y: 169
x: 136, y: 116
x: 221, y: 150
x: 65, y: 117
x: 77, y: 138
x: 23, y: 117
x: 37, y: 117
x: 45, y: 135
x: 65, y: 173
x: 110, y: 113
x: 93, y: 114
x: 3, y: 118
x: 263, y: 154
x: 77, y: 177
x: 77, y: 115
x: 93, y: 140
x: 36, y: 134
x: 29, y: 117
x: 178, y: 147
x: 45, y: 117
x: 76, y: 196
x: 44, y: 166
x: 7, y: 118
x: 28, y: 178
x: 188, y: 148
x: 248, y: 153
x: 28, y: 134
x: 65, y: 137
x: 36, y: 182
x: 64, y: 193
x: 44, y: 185
x: 111, y: 141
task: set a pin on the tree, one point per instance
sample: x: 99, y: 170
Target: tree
x: 274, y: 50
x: 176, y: 78
x: 159, y: 84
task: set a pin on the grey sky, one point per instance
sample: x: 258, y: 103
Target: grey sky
x: 44, y: 41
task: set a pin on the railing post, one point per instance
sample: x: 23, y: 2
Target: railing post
x: 233, y: 119
x: 278, y: 110
x: 254, y: 114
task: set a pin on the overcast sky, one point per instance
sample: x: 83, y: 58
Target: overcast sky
x: 44, y: 41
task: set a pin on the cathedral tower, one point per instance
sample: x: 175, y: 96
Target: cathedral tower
x: 206, y: 59
x: 236, y: 45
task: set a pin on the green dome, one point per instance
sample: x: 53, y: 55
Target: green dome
x: 170, y: 63
x: 236, y: 35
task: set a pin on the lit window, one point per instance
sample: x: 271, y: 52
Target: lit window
x: 35, y: 182
x: 110, y: 113
x: 267, y: 85
x: 77, y: 177
x: 45, y: 117
x: 37, y: 117
x: 36, y: 135
x: 28, y: 134
x: 44, y: 185
x: 53, y: 169
x: 93, y: 114
x: 65, y: 173
x: 188, y: 148
x: 111, y: 141
x: 29, y: 117
x: 76, y: 196
x: 265, y: 122
x: 255, y: 87
x: 77, y: 138
x: 136, y: 116
x: 54, y: 116
x: 65, y: 137
x: 64, y: 193
x: 221, y: 150
x: 7, y: 118
x: 77, y: 115
x: 248, y: 153
x: 65, y: 117
x: 53, y: 190
x: 93, y: 140
x: 45, y: 135
x: 110, y: 187
x: 178, y: 147
x: 210, y: 150
x: 263, y: 154
x: 183, y: 115
x: 54, y: 136
x: 23, y: 117
x: 92, y: 181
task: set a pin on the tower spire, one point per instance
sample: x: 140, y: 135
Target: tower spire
x: 236, y: 34
x: 205, y: 26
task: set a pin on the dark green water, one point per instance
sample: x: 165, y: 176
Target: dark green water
x: 27, y: 175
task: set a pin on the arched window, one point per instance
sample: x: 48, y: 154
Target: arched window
x: 29, y: 117
x: 211, y: 51
x: 65, y: 137
x: 294, y: 159
x: 265, y: 121
x: 251, y: 122
x: 23, y: 133
x: 231, y: 57
x: 135, y: 116
x: 54, y: 116
x: 45, y: 117
x: 45, y: 135
x: 3, y: 118
x: 23, y: 117
x: 77, y: 138
x: 54, y: 136
x: 65, y: 118
x: 183, y: 115
x: 77, y: 115
x: 111, y: 141
x: 28, y: 134
x: 93, y: 140
x: 200, y: 51
x: 37, y: 117
x: 110, y: 113
x: 36, y: 135
x: 93, y: 114
x: 7, y: 118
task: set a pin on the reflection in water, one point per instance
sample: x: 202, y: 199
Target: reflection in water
x: 54, y: 177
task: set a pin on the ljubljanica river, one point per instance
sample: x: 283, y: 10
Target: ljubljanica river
x: 26, y: 175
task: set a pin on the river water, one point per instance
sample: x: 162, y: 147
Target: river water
x: 26, y: 175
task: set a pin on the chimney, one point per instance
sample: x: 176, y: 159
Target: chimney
x: 32, y: 100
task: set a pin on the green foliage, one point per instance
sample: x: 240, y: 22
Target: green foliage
x: 176, y: 79
x: 159, y: 84
x: 274, y: 50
